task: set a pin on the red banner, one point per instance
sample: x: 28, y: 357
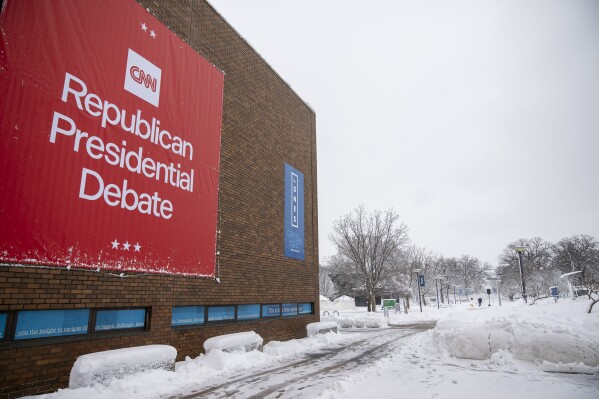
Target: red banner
x: 109, y: 140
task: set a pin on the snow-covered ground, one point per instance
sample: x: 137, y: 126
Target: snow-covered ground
x: 549, y: 350
x: 514, y: 351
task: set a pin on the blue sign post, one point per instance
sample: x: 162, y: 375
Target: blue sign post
x: 421, y: 280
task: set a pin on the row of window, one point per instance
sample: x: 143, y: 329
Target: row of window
x: 193, y: 315
x: 32, y: 324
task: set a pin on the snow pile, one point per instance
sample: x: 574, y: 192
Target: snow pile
x: 242, y: 341
x: 101, y: 367
x: 322, y: 327
x: 203, y: 369
x: 546, y: 333
x: 358, y: 320
x: 342, y: 303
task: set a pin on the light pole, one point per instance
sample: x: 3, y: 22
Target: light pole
x: 417, y: 271
x: 520, y: 250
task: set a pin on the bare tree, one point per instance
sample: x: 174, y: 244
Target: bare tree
x: 469, y: 272
x: 366, y: 245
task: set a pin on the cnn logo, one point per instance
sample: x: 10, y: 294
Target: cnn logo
x: 142, y: 78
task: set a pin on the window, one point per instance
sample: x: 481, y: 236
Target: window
x: 50, y: 323
x: 247, y: 312
x: 221, y: 313
x: 120, y: 319
x: 271, y: 310
x: 187, y: 315
x: 289, y: 309
x: 305, y: 308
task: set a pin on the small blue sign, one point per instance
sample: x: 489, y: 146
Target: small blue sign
x: 554, y: 291
x: 3, y: 318
x: 421, y: 280
x: 120, y: 319
x: 304, y: 308
x: 294, y: 213
x: 220, y: 313
x: 187, y: 315
x: 248, y: 312
x: 289, y: 309
x: 271, y: 310
x: 51, y: 323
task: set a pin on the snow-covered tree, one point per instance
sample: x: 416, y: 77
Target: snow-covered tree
x: 580, y: 253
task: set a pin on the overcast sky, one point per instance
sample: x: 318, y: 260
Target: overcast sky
x: 476, y: 121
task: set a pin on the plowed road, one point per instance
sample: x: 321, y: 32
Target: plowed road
x: 308, y: 375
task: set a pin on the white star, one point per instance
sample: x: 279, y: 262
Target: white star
x: 153, y: 34
x: 115, y: 244
x: 137, y: 247
x: 144, y: 27
x: 126, y: 246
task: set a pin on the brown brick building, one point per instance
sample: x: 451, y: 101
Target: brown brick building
x: 265, y: 125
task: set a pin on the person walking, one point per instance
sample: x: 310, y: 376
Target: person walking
x: 480, y: 302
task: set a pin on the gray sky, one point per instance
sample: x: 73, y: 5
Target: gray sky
x: 477, y: 121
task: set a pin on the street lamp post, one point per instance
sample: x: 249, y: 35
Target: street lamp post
x: 520, y: 250
x: 417, y: 271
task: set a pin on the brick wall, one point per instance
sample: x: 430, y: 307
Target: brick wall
x: 265, y: 124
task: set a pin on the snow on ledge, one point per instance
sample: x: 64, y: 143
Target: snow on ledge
x: 100, y: 367
x: 243, y: 341
x: 321, y: 327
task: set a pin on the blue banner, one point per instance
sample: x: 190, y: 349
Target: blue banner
x: 3, y: 318
x: 220, y: 313
x: 271, y: 310
x: 247, y: 312
x: 289, y: 309
x: 294, y: 213
x: 120, y: 319
x: 187, y: 315
x: 51, y: 323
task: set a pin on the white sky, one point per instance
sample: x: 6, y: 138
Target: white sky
x: 477, y: 121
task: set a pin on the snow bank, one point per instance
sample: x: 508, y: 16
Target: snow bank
x: 321, y: 327
x: 101, y: 367
x: 368, y: 320
x: 554, y: 333
x: 244, y: 341
x: 339, y: 304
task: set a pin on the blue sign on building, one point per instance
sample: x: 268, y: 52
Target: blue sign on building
x: 294, y: 213
x: 220, y: 313
x: 3, y: 318
x: 51, y: 323
x: 120, y: 319
x: 271, y: 310
x: 248, y: 312
x: 289, y: 309
x: 187, y: 315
